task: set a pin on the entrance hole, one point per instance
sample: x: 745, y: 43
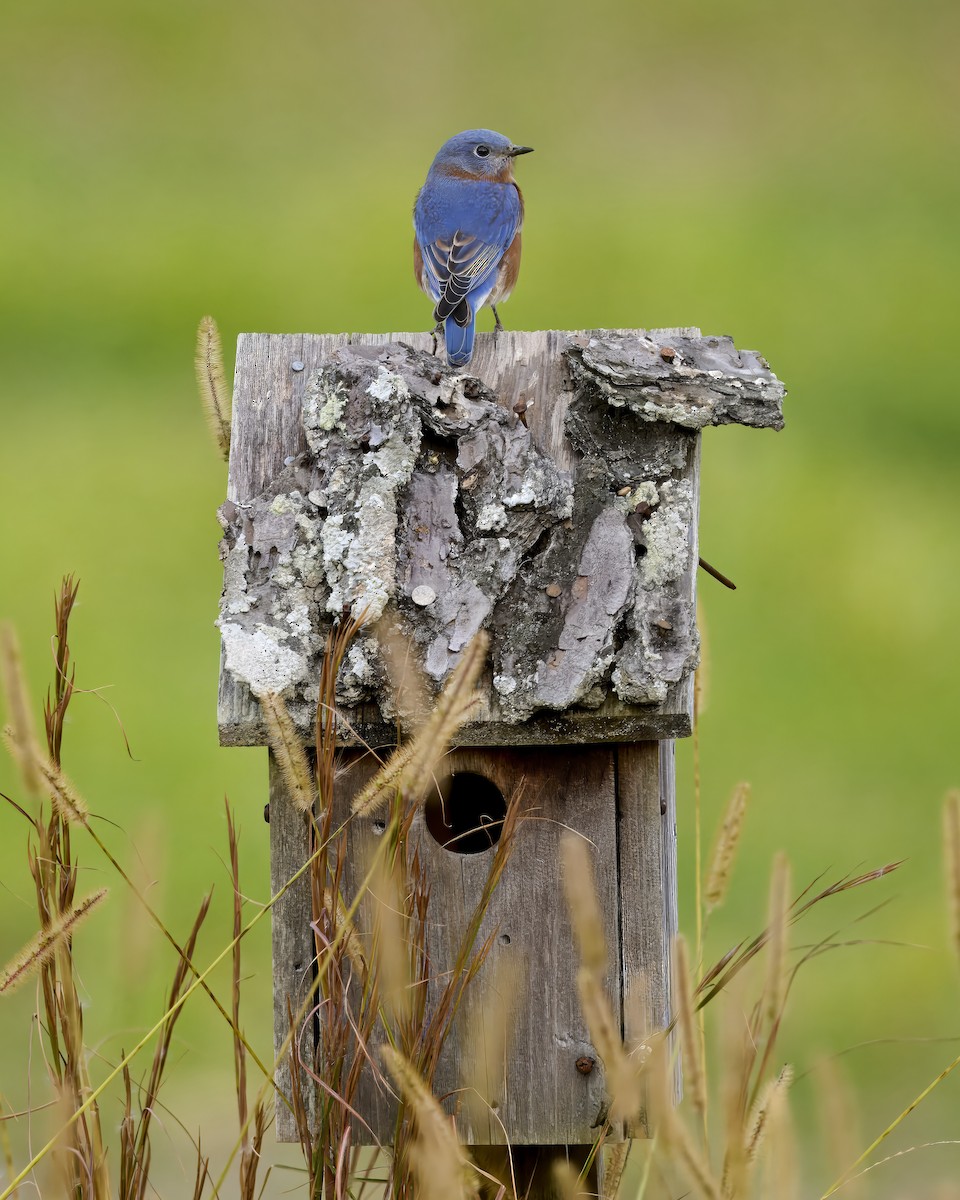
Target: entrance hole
x: 466, y: 813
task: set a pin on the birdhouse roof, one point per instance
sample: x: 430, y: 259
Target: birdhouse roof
x: 549, y: 496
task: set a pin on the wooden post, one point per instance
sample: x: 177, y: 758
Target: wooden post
x: 551, y: 497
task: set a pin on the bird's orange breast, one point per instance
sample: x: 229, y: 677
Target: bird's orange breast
x: 507, y: 272
x: 418, y: 271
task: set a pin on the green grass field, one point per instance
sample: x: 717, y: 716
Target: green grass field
x: 788, y: 177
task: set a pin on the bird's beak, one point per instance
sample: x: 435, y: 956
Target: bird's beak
x: 515, y: 150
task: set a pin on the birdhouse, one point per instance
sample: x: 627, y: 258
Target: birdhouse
x: 548, y: 494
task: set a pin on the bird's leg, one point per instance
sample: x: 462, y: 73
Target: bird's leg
x: 498, y: 325
x: 435, y: 334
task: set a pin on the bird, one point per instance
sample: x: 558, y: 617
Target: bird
x: 467, y: 220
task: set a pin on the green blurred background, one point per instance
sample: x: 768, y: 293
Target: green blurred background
x: 785, y: 175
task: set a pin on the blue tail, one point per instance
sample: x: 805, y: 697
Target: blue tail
x: 459, y: 339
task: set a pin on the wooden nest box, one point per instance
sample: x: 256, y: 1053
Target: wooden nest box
x: 549, y: 496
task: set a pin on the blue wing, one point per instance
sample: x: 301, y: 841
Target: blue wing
x: 463, y: 228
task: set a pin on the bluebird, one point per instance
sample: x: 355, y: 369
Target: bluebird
x: 467, y: 219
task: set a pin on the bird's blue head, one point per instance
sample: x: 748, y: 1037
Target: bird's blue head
x: 478, y: 154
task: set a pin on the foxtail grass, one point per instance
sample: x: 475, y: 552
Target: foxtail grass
x: 438, y: 1164
x: 380, y: 1008
x: 759, y: 1120
x: 694, y: 1069
x: 622, y: 1074
x: 212, y: 384
x: 252, y: 1132
x: 725, y: 846
x: 288, y: 750
x: 78, y: 1146
x: 135, y: 1142
x: 778, y: 926
x: 780, y: 1154
x: 839, y: 1122
x: 45, y: 944
x: 411, y: 770
x: 371, y: 988
x: 21, y: 738
x: 491, y: 1014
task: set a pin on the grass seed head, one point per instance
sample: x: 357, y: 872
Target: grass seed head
x: 758, y: 1123
x: 840, y: 1122
x: 437, y: 1159
x: 46, y: 943
x: 288, y: 750
x: 725, y: 847
x: 411, y: 769
x: 22, y: 740
x: 777, y: 940
x: 694, y: 1073
x: 581, y: 893
x: 212, y: 384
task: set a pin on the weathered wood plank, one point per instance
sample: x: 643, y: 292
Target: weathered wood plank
x: 293, y: 942
x: 622, y: 801
x: 619, y: 619
x: 647, y: 869
x: 542, y: 1093
x: 668, y: 809
x: 643, y: 887
x: 671, y: 924
x: 541, y: 1096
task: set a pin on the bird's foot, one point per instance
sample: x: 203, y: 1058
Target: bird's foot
x: 435, y: 334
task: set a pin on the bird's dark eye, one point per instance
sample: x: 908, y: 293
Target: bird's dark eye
x: 482, y: 151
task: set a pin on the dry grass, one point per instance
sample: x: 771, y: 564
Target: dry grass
x: 951, y: 847
x: 375, y: 994
x: 724, y: 850
x: 411, y: 770
x: 288, y: 751
x: 840, y: 1122
x: 755, y: 1153
x: 438, y: 1165
x: 622, y: 1074
x: 490, y: 1016
x: 38, y: 952
x: 253, y: 1125
x: 694, y: 1070
x: 79, y: 1147
x: 21, y: 736
x: 135, y: 1144
x: 758, y: 1122
x: 381, y: 1009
